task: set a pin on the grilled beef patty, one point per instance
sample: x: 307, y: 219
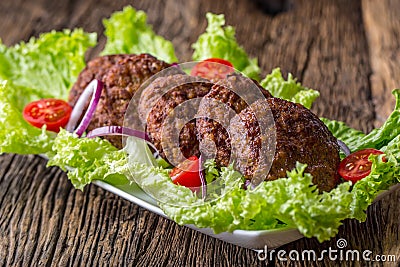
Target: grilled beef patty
x: 234, y: 131
x: 165, y: 109
x: 122, y: 75
x: 226, y: 99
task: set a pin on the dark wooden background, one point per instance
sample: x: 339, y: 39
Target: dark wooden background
x: 348, y: 50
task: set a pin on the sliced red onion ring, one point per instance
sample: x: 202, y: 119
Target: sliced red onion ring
x: 344, y: 147
x: 123, y: 131
x: 248, y: 185
x: 117, y: 130
x: 202, y: 179
x: 94, y: 90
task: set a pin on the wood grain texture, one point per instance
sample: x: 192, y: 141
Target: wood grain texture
x: 382, y: 26
x: 347, y: 50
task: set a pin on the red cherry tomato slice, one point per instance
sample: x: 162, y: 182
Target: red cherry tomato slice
x: 219, y: 60
x: 356, y: 165
x: 212, y: 69
x: 54, y: 113
x: 187, y: 173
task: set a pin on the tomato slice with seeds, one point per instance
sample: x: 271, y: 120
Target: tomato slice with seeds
x: 212, y: 69
x: 54, y: 113
x: 187, y: 173
x: 356, y: 165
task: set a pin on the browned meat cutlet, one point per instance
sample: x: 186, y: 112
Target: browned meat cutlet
x: 226, y: 98
x: 122, y: 75
x: 300, y: 137
x: 95, y: 69
x: 167, y: 112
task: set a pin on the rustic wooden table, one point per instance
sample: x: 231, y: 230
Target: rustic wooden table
x: 348, y: 50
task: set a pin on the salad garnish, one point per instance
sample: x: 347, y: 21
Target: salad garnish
x: 127, y: 32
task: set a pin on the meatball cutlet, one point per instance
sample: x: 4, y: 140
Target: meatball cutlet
x: 300, y: 137
x: 227, y: 98
x: 167, y: 112
x: 122, y: 75
x: 95, y: 69
x: 229, y: 131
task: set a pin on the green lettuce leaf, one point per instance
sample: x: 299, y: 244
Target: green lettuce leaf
x: 47, y: 66
x: 377, y: 138
x: 383, y: 173
x: 127, y: 32
x: 380, y: 137
x: 382, y: 176
x: 220, y: 42
x: 16, y: 135
x: 88, y: 159
x: 289, y: 89
x: 211, y: 171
